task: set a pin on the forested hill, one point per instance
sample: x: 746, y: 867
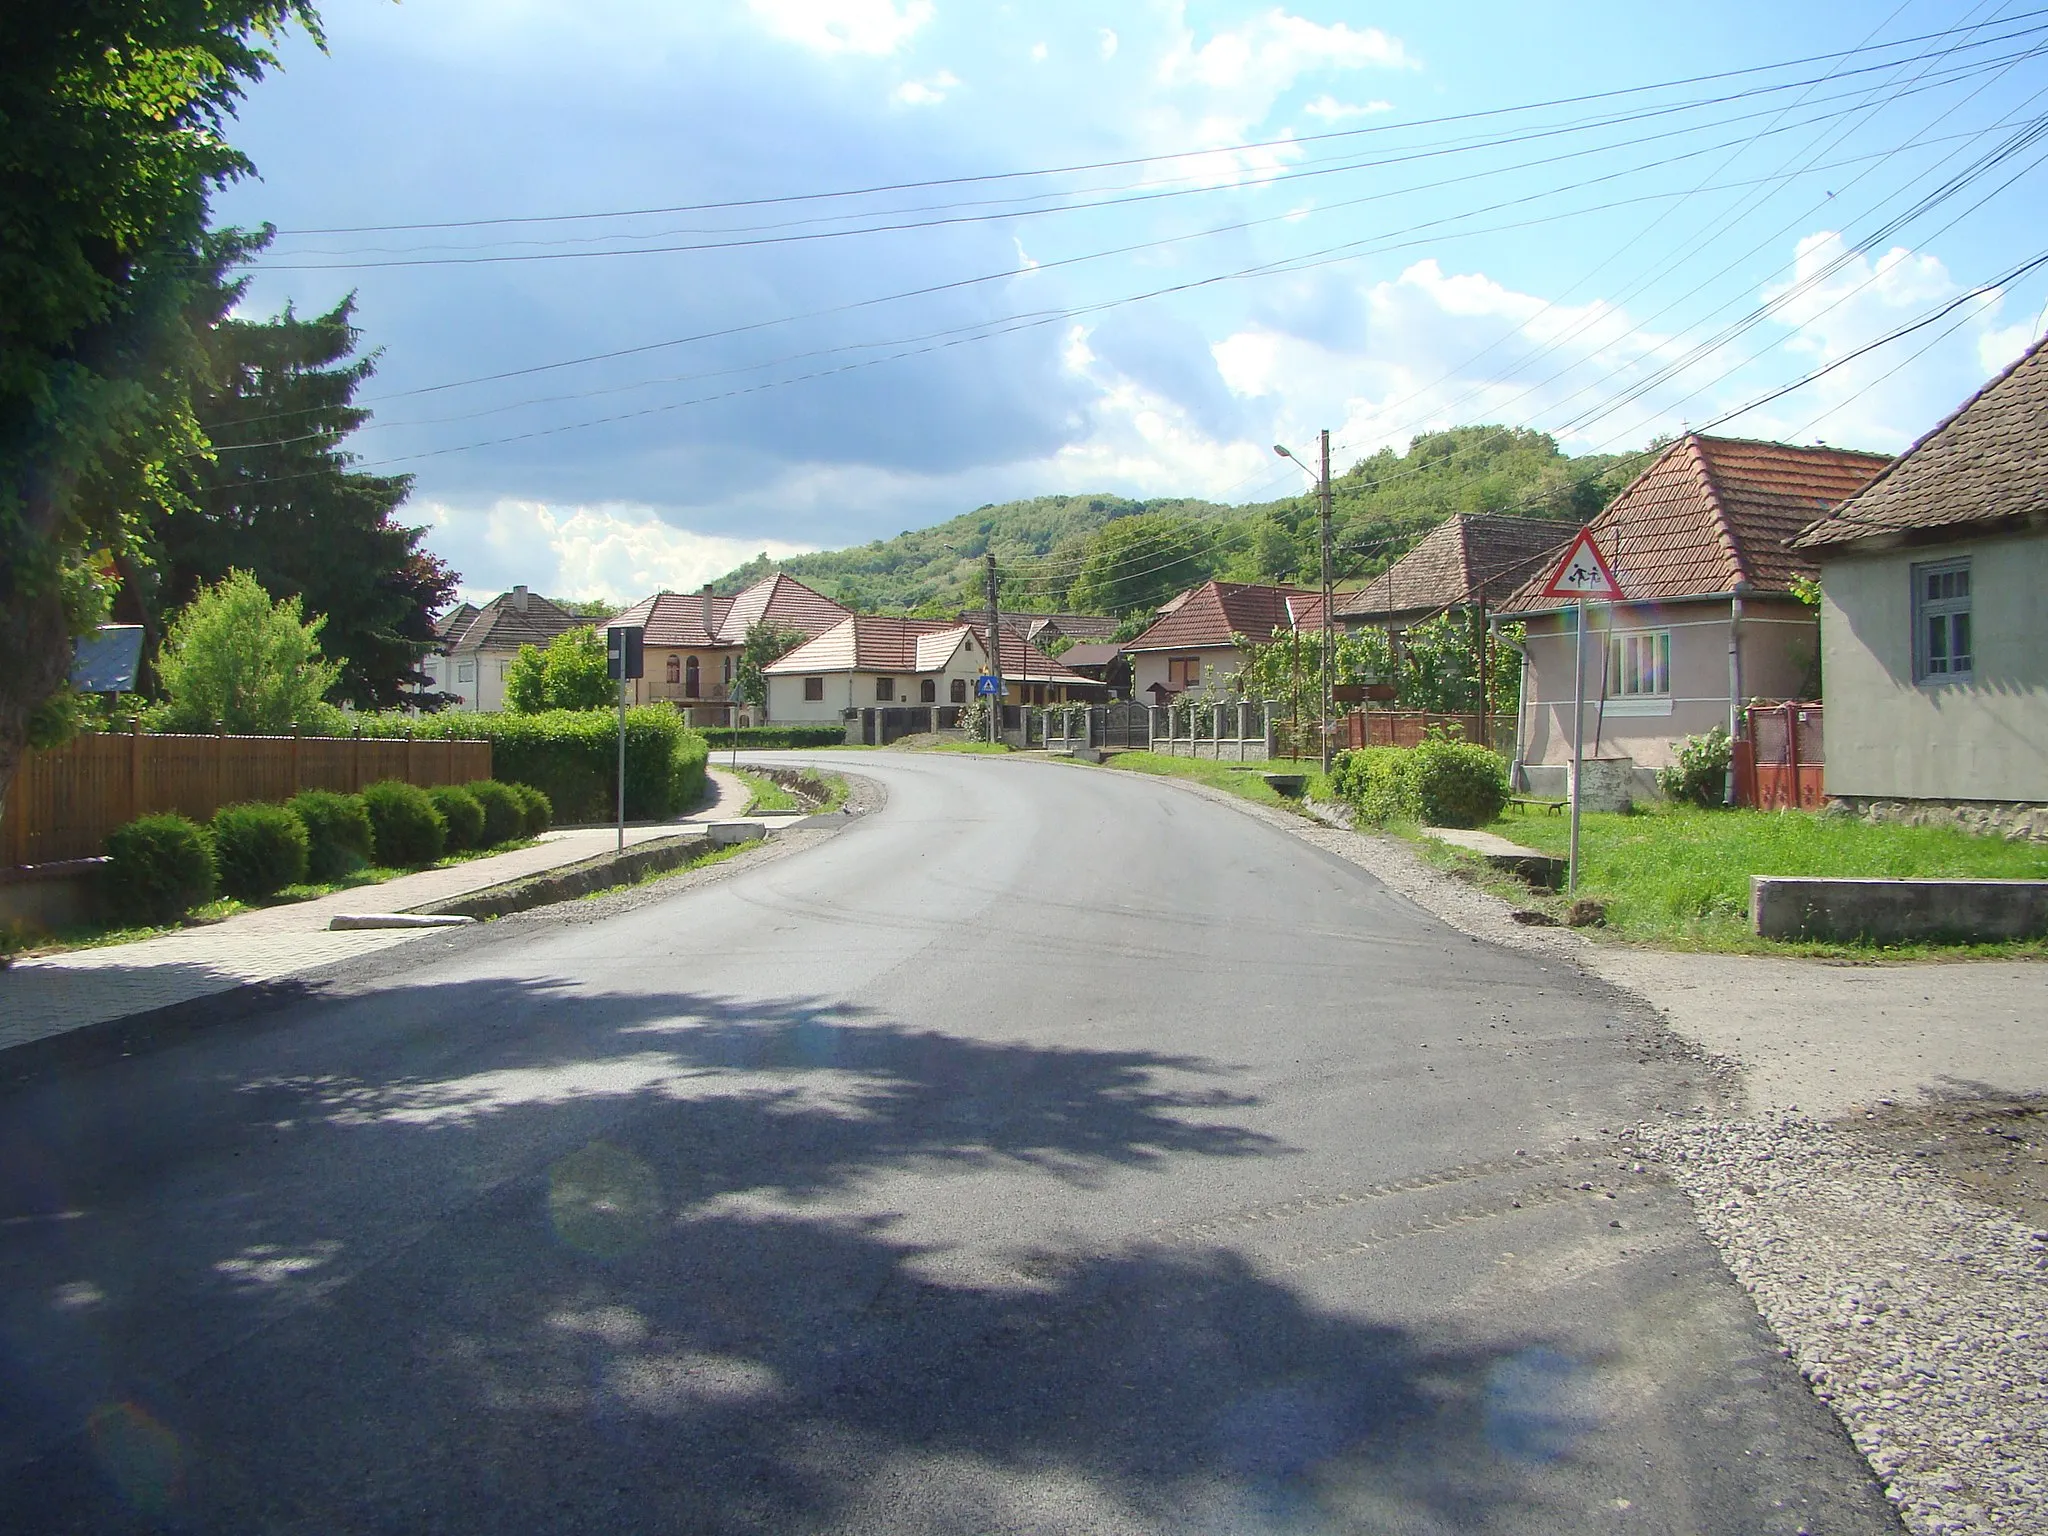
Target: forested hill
x: 1108, y: 554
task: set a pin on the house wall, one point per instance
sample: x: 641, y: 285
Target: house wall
x: 484, y: 689
x: 655, y: 687
x: 1779, y: 640
x: 1891, y: 738
x: 856, y: 690
x: 1149, y: 667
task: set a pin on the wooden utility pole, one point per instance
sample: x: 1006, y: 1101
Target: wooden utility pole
x: 995, y: 651
x: 1329, y: 634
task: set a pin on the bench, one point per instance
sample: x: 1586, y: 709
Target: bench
x: 1555, y: 807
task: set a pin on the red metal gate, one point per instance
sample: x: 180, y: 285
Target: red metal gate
x: 1781, y: 763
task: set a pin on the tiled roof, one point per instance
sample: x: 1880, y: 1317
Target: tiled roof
x: 873, y: 642
x: 1091, y: 653
x: 1714, y: 511
x: 455, y: 621
x: 676, y: 619
x: 1216, y: 610
x: 510, y: 620
x: 1987, y: 463
x: 1455, y: 560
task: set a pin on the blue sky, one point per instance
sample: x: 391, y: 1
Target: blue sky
x: 1399, y: 249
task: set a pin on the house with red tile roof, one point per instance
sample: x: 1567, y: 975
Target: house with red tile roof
x: 1194, y: 643
x: 1700, y: 543
x: 1468, y: 561
x: 879, y: 661
x: 1934, y: 627
x: 693, y: 640
x: 475, y: 647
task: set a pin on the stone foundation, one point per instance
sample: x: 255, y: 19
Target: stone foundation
x: 1987, y: 818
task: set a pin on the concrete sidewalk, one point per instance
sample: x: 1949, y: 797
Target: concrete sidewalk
x: 53, y: 994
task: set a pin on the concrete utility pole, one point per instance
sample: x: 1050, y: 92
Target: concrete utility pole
x: 995, y: 651
x: 1329, y: 634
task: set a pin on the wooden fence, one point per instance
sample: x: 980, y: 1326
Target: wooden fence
x: 64, y: 802
x: 1411, y: 727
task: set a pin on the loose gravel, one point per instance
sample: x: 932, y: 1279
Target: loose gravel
x: 1918, y: 1313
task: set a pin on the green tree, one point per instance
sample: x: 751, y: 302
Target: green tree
x: 569, y: 673
x: 113, y: 141
x: 235, y: 659
x: 766, y: 642
x: 277, y: 496
x: 1140, y: 562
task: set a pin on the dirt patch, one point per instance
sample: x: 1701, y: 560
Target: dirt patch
x: 1995, y: 1148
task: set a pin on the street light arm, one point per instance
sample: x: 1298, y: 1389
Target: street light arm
x: 1314, y: 478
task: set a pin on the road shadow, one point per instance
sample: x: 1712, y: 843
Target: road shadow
x: 565, y: 1279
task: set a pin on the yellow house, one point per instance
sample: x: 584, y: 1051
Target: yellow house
x: 693, y: 641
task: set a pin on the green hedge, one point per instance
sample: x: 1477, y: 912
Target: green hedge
x: 158, y: 869
x: 409, y: 831
x: 1442, y: 783
x: 571, y: 756
x: 766, y: 738
x: 258, y: 849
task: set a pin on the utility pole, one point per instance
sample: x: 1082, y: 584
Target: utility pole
x: 1329, y: 634
x: 995, y: 651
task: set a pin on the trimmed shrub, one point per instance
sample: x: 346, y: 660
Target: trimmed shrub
x: 258, y: 849
x: 405, y: 829
x: 1378, y: 784
x: 539, y: 814
x: 160, y: 868
x: 571, y: 756
x: 338, y: 837
x: 460, y: 814
x: 1700, y: 776
x: 768, y: 737
x: 1458, y: 783
x: 504, y: 811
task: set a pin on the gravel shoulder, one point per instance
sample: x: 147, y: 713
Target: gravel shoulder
x: 1882, y: 1195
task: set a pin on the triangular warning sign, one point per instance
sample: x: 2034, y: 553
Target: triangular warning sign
x: 1584, y: 573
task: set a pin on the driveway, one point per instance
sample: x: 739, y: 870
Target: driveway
x: 1049, y: 1151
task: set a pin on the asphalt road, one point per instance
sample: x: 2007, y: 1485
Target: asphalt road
x: 1053, y: 1150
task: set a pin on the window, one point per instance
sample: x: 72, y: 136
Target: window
x: 1941, y: 622
x: 690, y: 676
x: 465, y: 672
x: 1639, y: 664
x: 728, y: 671
x: 885, y: 690
x: 814, y: 689
x: 504, y: 670
x: 1183, y: 671
x: 959, y: 690
x: 928, y: 691
x: 675, y: 669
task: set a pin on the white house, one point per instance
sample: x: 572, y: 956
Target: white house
x: 870, y: 661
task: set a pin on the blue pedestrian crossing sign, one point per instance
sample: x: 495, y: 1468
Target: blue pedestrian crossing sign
x: 987, y: 687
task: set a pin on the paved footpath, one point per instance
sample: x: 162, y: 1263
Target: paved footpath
x: 54, y: 994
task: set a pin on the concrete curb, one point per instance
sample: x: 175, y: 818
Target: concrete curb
x: 569, y: 881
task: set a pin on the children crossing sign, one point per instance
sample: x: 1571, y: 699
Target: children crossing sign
x: 1584, y: 573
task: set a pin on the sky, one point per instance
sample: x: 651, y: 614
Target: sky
x: 656, y: 286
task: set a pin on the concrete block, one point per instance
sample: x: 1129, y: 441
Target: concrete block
x: 1898, y: 911
x: 1546, y: 871
x: 725, y: 833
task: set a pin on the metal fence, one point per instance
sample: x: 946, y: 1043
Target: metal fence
x: 64, y: 802
x: 1781, y: 762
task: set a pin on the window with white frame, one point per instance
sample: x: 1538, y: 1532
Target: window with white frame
x: 1639, y: 664
x: 465, y: 672
x: 1941, y: 622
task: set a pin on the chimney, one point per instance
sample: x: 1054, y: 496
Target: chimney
x: 710, y: 625
x: 519, y: 598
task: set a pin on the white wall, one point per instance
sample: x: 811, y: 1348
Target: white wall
x: 1219, y: 662
x: 1889, y: 737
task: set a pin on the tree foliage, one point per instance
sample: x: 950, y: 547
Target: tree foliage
x: 569, y: 673
x: 237, y: 660
x: 278, y: 496
x: 766, y: 642
x: 114, y: 117
x: 1140, y: 562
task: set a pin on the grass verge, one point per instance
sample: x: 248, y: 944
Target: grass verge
x: 768, y: 796
x: 99, y: 935
x: 1245, y: 780
x: 702, y: 861
x: 1678, y: 877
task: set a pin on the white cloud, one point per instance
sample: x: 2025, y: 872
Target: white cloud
x: 613, y: 550
x: 1271, y: 51
x: 1038, y: 53
x: 1331, y: 110
x: 845, y: 26
x: 926, y: 93
x: 1109, y: 43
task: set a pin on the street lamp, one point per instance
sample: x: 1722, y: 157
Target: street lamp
x: 1322, y: 484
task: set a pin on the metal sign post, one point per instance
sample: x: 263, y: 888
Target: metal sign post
x: 1583, y: 573
x: 625, y: 658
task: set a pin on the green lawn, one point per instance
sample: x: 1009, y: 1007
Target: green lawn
x: 1678, y: 876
